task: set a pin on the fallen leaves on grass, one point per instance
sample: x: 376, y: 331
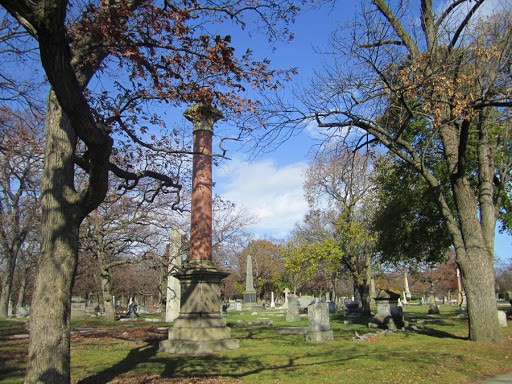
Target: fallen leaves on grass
x: 160, y: 380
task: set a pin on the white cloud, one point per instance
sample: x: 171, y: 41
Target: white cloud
x: 270, y: 193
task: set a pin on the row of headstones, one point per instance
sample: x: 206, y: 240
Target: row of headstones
x: 82, y: 307
x: 390, y: 316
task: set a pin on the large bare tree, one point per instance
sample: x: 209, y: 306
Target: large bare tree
x: 341, y: 183
x: 149, y: 52
x: 121, y: 231
x: 21, y: 161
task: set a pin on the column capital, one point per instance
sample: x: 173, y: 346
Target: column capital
x: 203, y: 116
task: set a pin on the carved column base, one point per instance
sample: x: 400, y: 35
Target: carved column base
x: 200, y: 327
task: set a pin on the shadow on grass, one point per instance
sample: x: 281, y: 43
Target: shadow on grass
x: 439, y: 334
x: 244, y: 363
x: 135, y: 356
x: 210, y: 365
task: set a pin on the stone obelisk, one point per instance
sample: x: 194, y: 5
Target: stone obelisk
x: 200, y: 327
x: 172, y: 307
x: 250, y: 292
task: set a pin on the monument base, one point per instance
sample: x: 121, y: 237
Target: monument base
x: 201, y: 335
x: 319, y: 336
x: 200, y: 327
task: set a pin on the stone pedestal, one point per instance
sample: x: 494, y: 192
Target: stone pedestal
x: 389, y: 314
x: 200, y: 327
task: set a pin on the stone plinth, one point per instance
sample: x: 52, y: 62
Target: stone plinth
x: 389, y: 314
x: 200, y: 327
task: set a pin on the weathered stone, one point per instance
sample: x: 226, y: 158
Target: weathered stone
x: 306, y: 301
x: 172, y: 306
x: 389, y: 315
x: 502, y: 317
x: 293, y: 315
x: 22, y: 312
x: 77, y: 307
x: 319, y: 329
x: 293, y: 330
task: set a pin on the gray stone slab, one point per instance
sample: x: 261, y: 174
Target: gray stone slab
x: 293, y: 330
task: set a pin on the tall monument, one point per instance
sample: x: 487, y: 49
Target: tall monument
x: 250, y: 292
x: 172, y: 307
x: 200, y: 327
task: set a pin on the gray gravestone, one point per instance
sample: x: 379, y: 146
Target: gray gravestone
x: 172, y: 306
x: 22, y: 312
x: 77, y: 307
x: 306, y: 301
x: 433, y: 309
x: 319, y: 327
x: 293, y: 315
x: 502, y: 317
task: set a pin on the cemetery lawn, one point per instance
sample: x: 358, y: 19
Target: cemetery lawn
x: 121, y: 352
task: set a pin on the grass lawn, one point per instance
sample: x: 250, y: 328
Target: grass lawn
x: 436, y: 352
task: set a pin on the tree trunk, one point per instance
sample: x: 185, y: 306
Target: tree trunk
x: 23, y: 288
x: 49, y: 349
x: 10, y: 265
x: 478, y: 280
x: 476, y: 263
x: 364, y: 293
x: 106, y: 288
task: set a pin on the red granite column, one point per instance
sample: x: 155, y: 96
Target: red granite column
x: 200, y: 327
x: 203, y: 117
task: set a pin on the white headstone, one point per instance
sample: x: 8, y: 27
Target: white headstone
x: 286, y: 293
x: 172, y: 307
x: 502, y: 317
x: 272, y: 302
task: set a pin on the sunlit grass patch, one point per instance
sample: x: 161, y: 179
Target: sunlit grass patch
x: 434, y: 350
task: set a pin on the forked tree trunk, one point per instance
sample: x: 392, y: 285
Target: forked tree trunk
x: 363, y: 289
x: 362, y: 280
x: 49, y: 349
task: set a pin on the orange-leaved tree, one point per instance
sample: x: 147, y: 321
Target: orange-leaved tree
x: 107, y: 63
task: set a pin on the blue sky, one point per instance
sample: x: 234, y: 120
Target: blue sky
x: 270, y: 187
